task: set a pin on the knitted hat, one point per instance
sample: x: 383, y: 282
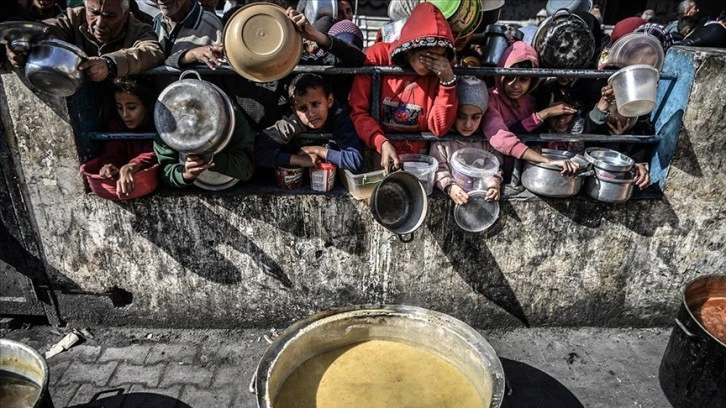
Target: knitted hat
x: 472, y: 91
x: 347, y: 31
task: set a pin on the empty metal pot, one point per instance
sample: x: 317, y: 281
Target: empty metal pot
x: 609, y: 160
x: 52, y: 67
x: 400, y: 204
x: 546, y: 180
x: 609, y: 190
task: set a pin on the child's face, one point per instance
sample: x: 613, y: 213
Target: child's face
x: 559, y: 124
x: 468, y: 119
x: 414, y: 58
x: 515, y: 87
x: 130, y: 108
x: 312, y: 107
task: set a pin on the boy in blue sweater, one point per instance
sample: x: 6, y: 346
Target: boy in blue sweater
x: 314, y: 109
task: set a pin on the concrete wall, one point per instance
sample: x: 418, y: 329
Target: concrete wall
x: 252, y: 258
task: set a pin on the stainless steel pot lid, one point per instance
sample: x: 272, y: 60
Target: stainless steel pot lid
x: 562, y: 155
x: 477, y: 214
x: 211, y: 180
x: 193, y: 116
x: 608, y: 159
x: 22, y: 34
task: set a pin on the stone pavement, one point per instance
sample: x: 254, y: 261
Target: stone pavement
x: 165, y: 368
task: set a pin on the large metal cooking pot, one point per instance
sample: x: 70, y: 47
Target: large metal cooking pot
x: 28, y: 371
x: 399, y: 203
x: 693, y: 369
x: 564, y: 40
x: 52, y: 67
x: 546, y: 180
x: 194, y: 116
x: 435, y: 332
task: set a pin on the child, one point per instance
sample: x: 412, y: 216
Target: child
x: 314, y: 109
x: 422, y: 101
x: 472, y: 94
x: 124, y: 158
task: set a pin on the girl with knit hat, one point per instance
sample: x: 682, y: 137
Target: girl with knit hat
x: 422, y: 101
x: 473, y: 100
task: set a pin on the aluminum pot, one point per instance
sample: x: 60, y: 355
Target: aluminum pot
x: 546, y: 180
x: 399, y: 203
x: 435, y: 332
x: 26, y: 366
x: 194, y: 116
x: 609, y: 160
x: 52, y: 67
x: 692, y: 372
x: 609, y: 190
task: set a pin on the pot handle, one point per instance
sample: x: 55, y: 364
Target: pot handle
x: 406, y: 240
x: 253, y: 384
x: 190, y: 72
x: 586, y: 173
x: 686, y: 331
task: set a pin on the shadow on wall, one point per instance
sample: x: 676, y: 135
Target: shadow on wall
x: 187, y: 238
x: 475, y: 264
x: 116, y: 398
x: 683, y: 156
x: 529, y: 387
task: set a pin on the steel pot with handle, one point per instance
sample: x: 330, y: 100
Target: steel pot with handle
x: 194, y: 116
x: 610, y: 190
x: 546, y: 179
x: 692, y: 372
x: 52, y: 67
x: 399, y: 203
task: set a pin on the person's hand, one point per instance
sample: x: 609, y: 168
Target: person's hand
x: 108, y: 171
x: 557, y: 110
x: 307, y: 30
x: 607, y: 98
x: 492, y: 194
x: 616, y: 126
x: 316, y: 153
x: 17, y: 58
x: 458, y: 194
x: 211, y: 55
x: 642, y: 177
x: 388, y: 156
x: 195, y: 165
x: 568, y: 168
x: 439, y: 65
x: 95, y: 68
x: 125, y: 183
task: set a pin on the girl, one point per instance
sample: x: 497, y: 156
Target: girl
x: 425, y: 100
x: 121, y: 159
x: 472, y: 94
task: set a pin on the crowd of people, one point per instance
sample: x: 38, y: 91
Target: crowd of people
x: 124, y: 38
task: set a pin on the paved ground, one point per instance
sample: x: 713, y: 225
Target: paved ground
x: 135, y: 368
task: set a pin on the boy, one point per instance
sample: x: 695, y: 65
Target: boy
x: 314, y: 109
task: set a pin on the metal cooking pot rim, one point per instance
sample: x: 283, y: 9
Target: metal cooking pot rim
x: 55, y: 42
x: 627, y: 162
x: 684, y: 301
x: 411, y: 183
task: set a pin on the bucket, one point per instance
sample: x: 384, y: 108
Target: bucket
x: 432, y: 334
x: 635, y: 88
x: 289, y: 178
x: 23, y: 376
x: 322, y: 177
x: 145, y: 181
x: 423, y: 167
x: 470, y: 168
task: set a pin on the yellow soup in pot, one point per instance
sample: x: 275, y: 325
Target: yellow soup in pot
x: 378, y: 374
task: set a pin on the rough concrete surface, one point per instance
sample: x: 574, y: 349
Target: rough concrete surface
x: 245, y: 258
x: 165, y: 368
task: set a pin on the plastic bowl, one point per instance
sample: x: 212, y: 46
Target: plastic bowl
x: 635, y: 89
x: 145, y: 181
x: 637, y: 49
x: 470, y: 167
x: 423, y: 167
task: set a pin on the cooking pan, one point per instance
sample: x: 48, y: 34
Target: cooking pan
x: 399, y: 203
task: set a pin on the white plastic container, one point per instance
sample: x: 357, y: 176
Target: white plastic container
x: 635, y: 89
x: 470, y: 168
x: 423, y: 167
x: 322, y: 177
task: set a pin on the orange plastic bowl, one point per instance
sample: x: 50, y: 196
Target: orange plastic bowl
x: 145, y: 181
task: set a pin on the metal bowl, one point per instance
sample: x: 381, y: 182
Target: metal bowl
x: 609, y: 160
x: 52, y: 67
x: 546, y: 180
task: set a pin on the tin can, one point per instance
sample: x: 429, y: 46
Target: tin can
x: 289, y: 178
x: 322, y: 177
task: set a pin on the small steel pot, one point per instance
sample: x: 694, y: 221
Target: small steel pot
x: 609, y: 160
x: 52, y: 67
x: 546, y: 180
x: 610, y: 190
x: 399, y: 203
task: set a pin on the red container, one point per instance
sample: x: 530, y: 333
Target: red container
x: 145, y: 181
x: 289, y: 178
x: 322, y: 177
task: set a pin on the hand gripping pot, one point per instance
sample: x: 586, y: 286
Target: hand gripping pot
x: 564, y: 40
x: 261, y: 43
x: 194, y: 116
x: 400, y: 204
x: 546, y: 180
